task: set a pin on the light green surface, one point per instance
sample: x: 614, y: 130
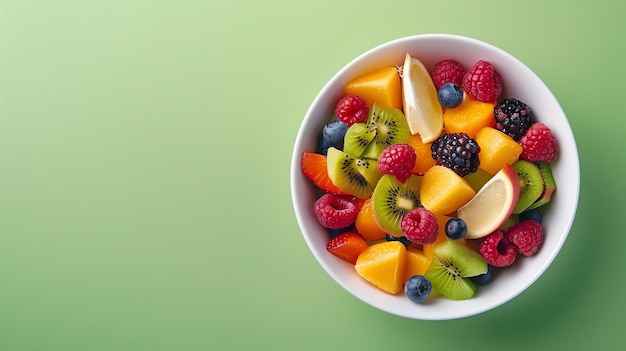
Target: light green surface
x: 144, y: 174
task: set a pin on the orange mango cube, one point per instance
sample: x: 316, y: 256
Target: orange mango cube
x: 496, y: 150
x: 381, y: 86
x: 469, y: 117
x: 366, y: 223
x: 443, y: 191
x: 416, y: 262
x: 383, y: 265
x: 424, y: 157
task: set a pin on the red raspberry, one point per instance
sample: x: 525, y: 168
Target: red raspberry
x: 335, y: 211
x: 420, y: 226
x: 351, y: 109
x: 527, y: 236
x: 538, y: 144
x: 497, y: 250
x: 482, y: 82
x: 397, y: 160
x: 446, y: 71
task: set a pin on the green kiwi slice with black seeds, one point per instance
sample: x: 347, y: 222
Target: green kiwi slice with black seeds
x: 390, y: 127
x: 549, y: 186
x: 392, y: 199
x: 357, y: 138
x: 531, y: 184
x: 453, y: 263
x: 357, y: 176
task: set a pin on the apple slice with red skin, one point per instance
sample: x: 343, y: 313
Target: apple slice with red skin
x: 492, y: 204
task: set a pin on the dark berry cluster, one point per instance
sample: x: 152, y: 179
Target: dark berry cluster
x: 513, y: 118
x: 456, y: 151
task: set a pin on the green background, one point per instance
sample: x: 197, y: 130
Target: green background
x: 145, y: 151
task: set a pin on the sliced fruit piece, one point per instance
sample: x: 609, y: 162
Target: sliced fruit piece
x: 453, y: 263
x: 530, y: 182
x: 423, y: 112
x: 549, y: 186
x: 416, y: 262
x: 366, y: 223
x: 357, y: 137
x: 382, y: 86
x: 390, y: 126
x: 315, y: 168
x: 347, y: 246
x: 391, y: 200
x: 383, y: 265
x: 469, y: 117
x: 496, y: 149
x: 492, y: 205
x: 354, y: 175
x: 443, y: 191
x: 424, y: 156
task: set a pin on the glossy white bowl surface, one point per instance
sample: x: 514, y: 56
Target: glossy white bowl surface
x: 519, y: 82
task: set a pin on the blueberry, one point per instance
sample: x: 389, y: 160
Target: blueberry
x: 484, y: 279
x: 417, y: 288
x: 456, y: 228
x: 450, y: 95
x: 532, y: 215
x: 334, y: 232
x: 332, y: 136
x: 322, y: 146
x: 403, y: 239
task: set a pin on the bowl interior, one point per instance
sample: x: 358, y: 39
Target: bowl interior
x: 519, y: 82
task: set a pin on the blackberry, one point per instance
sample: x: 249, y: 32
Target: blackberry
x: 513, y: 117
x: 456, y: 151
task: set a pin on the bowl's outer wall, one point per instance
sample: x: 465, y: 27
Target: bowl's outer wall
x: 519, y: 82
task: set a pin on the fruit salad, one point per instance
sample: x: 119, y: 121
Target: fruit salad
x: 430, y: 182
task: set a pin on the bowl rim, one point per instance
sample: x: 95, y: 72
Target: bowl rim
x: 349, y: 69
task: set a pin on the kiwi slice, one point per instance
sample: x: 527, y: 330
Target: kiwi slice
x: 392, y: 199
x: 390, y: 127
x: 355, y: 175
x: 452, y: 266
x: 357, y: 138
x: 531, y: 184
x: 549, y: 186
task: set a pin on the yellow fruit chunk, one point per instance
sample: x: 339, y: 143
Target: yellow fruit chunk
x: 496, y: 149
x: 416, y: 263
x: 381, y: 86
x: 469, y: 117
x: 419, y: 97
x: 383, y: 265
x: 444, y: 191
x: 366, y: 223
x: 441, y: 237
x: 424, y: 157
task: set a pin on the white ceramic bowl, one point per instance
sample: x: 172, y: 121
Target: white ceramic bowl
x: 519, y: 82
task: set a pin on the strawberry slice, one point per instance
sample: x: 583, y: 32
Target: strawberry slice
x: 314, y: 167
x: 347, y: 246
